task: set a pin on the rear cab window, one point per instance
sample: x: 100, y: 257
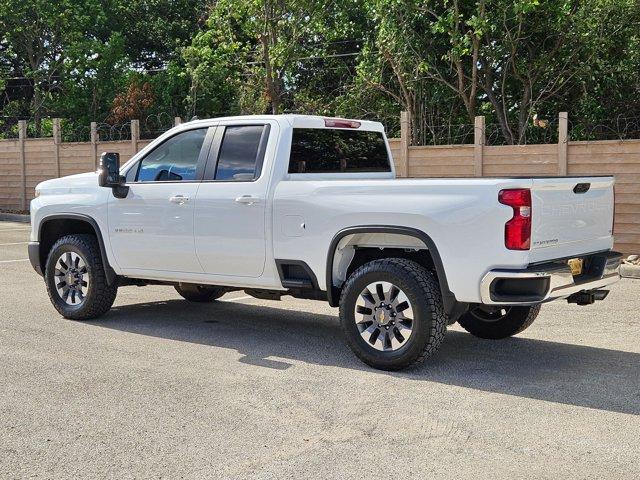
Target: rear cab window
x: 331, y: 150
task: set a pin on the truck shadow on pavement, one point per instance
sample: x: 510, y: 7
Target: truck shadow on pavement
x: 555, y: 372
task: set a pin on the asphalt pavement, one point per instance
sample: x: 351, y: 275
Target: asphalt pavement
x: 246, y: 388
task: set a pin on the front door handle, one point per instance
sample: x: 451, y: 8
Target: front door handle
x: 179, y: 199
x: 247, y: 200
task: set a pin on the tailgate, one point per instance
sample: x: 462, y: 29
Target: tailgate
x: 571, y: 215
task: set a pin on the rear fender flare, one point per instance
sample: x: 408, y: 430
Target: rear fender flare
x: 333, y: 293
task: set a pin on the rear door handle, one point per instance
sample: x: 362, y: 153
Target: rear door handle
x: 247, y: 200
x: 179, y: 199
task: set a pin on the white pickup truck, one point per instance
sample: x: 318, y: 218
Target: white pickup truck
x: 310, y: 207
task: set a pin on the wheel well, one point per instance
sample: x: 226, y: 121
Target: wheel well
x: 51, y: 230
x: 364, y: 255
x: 355, y: 246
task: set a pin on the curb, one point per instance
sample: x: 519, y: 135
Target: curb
x: 629, y: 271
x: 14, y: 217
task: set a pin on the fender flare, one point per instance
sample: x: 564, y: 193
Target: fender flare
x: 108, y: 270
x: 333, y: 293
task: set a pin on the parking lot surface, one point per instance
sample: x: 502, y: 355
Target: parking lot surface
x: 245, y: 388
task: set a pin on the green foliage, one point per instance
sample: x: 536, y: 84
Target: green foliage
x: 443, y: 61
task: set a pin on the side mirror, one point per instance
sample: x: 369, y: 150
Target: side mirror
x: 109, y: 174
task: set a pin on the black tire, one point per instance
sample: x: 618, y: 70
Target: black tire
x: 99, y: 295
x: 500, y: 324
x: 199, y: 293
x: 422, y: 291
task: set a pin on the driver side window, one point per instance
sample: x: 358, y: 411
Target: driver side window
x: 175, y: 160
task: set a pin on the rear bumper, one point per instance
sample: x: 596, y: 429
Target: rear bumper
x: 548, y: 281
x: 34, y: 256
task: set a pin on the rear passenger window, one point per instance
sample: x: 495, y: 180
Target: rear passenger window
x: 326, y: 150
x: 242, y: 153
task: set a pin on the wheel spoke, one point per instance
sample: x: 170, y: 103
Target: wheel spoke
x: 380, y: 291
x: 386, y: 341
x: 393, y: 293
x: 368, y: 297
x: 364, y: 326
x: 396, y: 339
x: 373, y: 338
x: 402, y: 306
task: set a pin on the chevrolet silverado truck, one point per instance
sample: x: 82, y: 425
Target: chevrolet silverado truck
x: 310, y: 207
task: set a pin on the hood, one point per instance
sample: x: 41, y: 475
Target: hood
x: 82, y: 180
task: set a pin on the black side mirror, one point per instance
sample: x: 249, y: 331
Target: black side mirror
x: 109, y: 174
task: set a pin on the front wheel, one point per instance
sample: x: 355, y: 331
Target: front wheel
x: 391, y: 313
x: 499, y: 322
x: 75, y: 278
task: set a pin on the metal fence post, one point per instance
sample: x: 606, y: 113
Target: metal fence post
x: 478, y: 145
x: 405, y: 141
x: 57, y: 139
x: 94, y: 143
x: 563, y: 142
x: 135, y: 136
x: 22, y: 137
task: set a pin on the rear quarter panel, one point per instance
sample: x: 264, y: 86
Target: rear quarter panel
x: 462, y: 217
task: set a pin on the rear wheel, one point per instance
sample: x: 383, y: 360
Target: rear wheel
x: 75, y: 278
x: 199, y: 293
x: 498, y: 322
x: 391, y: 313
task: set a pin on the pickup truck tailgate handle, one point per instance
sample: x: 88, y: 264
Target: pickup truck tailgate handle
x: 581, y: 188
x: 247, y: 200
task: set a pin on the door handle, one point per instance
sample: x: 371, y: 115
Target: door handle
x: 179, y: 199
x: 247, y: 200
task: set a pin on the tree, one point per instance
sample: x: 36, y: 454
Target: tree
x: 272, y: 56
x: 38, y: 33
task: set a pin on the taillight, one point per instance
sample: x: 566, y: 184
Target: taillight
x: 517, y: 231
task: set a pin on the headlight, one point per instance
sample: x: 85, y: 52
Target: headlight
x: 37, y: 193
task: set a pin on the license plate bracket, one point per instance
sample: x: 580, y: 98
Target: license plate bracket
x: 576, y: 265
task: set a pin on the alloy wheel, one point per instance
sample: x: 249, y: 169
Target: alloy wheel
x: 384, y: 316
x: 72, y: 278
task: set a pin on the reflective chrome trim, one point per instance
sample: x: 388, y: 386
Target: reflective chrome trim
x: 561, y: 281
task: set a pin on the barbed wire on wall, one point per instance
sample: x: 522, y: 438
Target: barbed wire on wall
x: 546, y: 131
x: 539, y: 132
x: 108, y: 132
x: 444, y: 134
x: 617, y: 128
x: 73, y: 132
x: 154, y: 125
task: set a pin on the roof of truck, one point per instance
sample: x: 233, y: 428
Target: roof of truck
x: 302, y: 121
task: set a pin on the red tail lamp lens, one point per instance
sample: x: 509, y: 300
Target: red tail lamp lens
x: 517, y: 231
